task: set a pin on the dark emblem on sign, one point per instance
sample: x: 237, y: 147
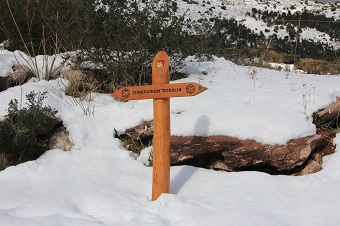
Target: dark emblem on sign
x: 125, y: 93
x: 190, y: 89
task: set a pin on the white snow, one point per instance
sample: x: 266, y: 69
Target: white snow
x: 312, y: 34
x: 100, y: 183
x: 41, y: 64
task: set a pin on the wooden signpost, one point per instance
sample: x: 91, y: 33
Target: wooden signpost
x: 160, y: 91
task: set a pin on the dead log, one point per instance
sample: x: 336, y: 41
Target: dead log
x: 331, y: 112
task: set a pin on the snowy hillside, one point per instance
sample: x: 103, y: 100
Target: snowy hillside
x: 240, y: 9
x: 100, y: 183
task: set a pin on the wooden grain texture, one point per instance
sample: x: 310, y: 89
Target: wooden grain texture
x: 161, y: 145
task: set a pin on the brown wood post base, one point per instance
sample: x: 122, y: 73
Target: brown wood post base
x: 161, y: 148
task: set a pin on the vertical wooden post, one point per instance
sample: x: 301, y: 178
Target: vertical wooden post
x: 161, y: 139
x: 160, y: 91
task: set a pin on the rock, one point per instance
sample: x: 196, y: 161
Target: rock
x: 200, y: 151
x: 54, y: 134
x: 311, y: 167
x: 220, y: 165
x: 232, y: 154
x: 60, y: 139
x: 21, y: 73
x: 328, y: 139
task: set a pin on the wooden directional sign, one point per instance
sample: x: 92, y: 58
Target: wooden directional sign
x: 160, y: 91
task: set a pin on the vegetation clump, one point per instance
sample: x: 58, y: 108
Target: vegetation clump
x: 312, y: 66
x: 20, y: 130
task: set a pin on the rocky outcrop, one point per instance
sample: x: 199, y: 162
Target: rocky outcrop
x: 298, y: 157
x: 231, y: 154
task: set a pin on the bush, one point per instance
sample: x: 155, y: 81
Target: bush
x: 312, y: 66
x: 19, y: 140
x: 126, y: 36
x: 273, y: 56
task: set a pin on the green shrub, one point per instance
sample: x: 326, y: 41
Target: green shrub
x: 125, y: 36
x: 19, y: 140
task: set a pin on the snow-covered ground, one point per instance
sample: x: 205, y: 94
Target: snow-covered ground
x: 100, y: 183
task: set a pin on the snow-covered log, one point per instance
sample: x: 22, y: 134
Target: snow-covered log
x: 331, y: 112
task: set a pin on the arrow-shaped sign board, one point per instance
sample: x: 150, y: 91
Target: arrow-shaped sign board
x: 159, y: 91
